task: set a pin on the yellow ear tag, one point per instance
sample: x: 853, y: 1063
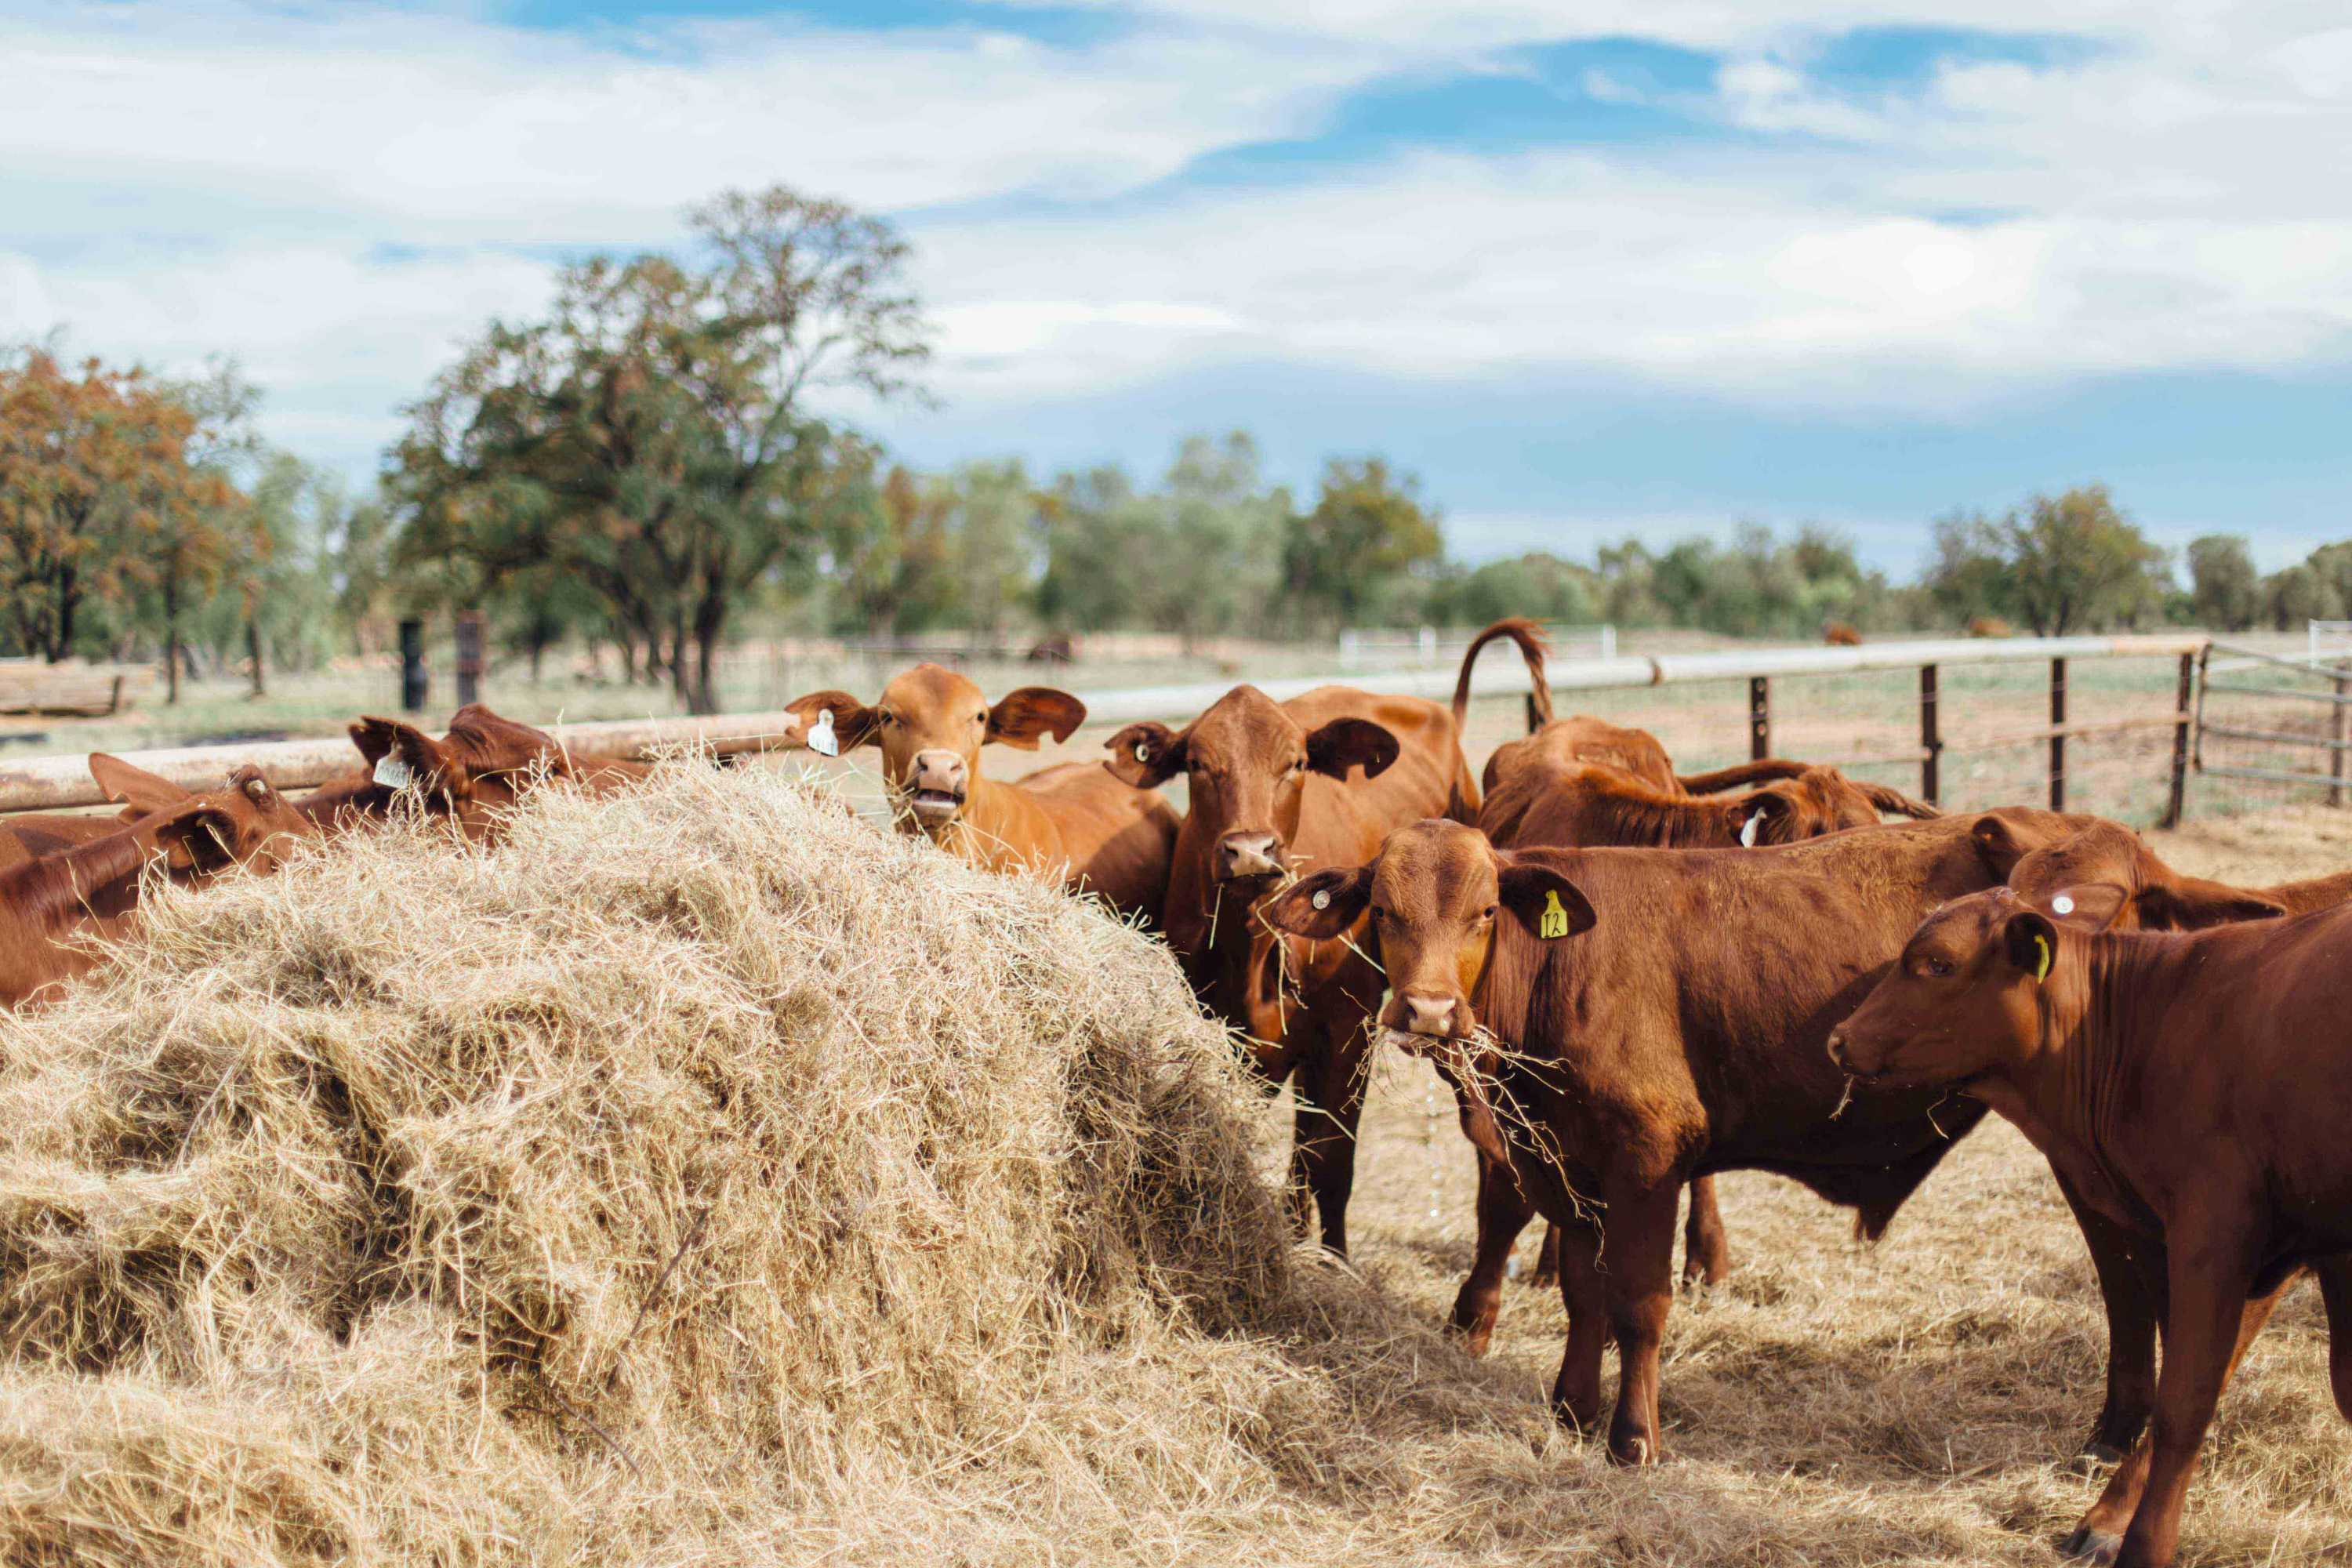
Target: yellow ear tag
x: 1555, y: 918
x: 2042, y: 973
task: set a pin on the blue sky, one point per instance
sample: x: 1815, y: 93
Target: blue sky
x: 1645, y: 267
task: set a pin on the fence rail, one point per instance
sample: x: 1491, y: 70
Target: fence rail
x: 51, y: 784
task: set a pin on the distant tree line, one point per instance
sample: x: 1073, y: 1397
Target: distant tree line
x: 647, y: 467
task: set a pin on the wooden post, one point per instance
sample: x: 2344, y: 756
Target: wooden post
x: 413, y: 682
x: 2335, y: 732
x: 1760, y: 716
x: 2057, y: 742
x: 469, y: 657
x: 1931, y: 740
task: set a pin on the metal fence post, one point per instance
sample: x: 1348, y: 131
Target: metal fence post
x: 1760, y: 716
x: 2335, y: 732
x: 2057, y: 740
x: 2178, y: 803
x: 413, y: 682
x: 1931, y: 741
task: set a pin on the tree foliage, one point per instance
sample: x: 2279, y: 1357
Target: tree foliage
x: 2224, y: 593
x: 1368, y: 530
x: 652, y: 436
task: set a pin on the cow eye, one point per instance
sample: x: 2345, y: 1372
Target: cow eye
x: 1487, y: 913
x: 1937, y: 968
x: 980, y: 717
x: 1380, y: 915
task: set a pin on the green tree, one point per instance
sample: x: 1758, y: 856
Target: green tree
x: 2224, y: 593
x: 652, y: 436
x: 2075, y: 560
x: 1968, y: 572
x: 1369, y: 529
x: 2298, y: 595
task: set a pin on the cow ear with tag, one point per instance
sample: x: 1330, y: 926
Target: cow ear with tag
x: 1764, y: 819
x: 2031, y: 942
x: 402, y: 757
x: 1146, y: 755
x: 2088, y: 906
x: 1322, y: 904
x: 832, y: 722
x: 1545, y: 901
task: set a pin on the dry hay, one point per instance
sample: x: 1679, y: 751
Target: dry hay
x: 703, y: 1177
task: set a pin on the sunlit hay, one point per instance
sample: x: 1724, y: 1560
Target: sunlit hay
x: 696, y: 1161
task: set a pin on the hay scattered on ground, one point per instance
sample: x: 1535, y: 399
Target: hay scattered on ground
x: 702, y: 1176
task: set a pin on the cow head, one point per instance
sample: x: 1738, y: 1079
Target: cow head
x: 2160, y: 898
x: 930, y: 725
x: 1818, y: 800
x: 1246, y: 763
x: 1983, y: 986
x: 1432, y: 902
x: 479, y: 768
x: 245, y: 823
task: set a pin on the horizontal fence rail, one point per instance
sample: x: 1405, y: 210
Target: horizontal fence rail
x: 62, y: 782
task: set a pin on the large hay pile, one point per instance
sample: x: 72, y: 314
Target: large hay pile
x: 700, y: 1173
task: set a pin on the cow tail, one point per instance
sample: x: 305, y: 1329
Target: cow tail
x: 1533, y: 646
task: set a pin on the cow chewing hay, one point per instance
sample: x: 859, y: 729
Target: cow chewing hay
x: 701, y: 1177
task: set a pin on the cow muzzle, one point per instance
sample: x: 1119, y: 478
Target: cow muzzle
x: 1841, y: 1057
x: 1240, y: 856
x: 1428, y: 1014
x: 936, y: 786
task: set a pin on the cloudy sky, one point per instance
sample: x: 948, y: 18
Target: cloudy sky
x: 1591, y: 267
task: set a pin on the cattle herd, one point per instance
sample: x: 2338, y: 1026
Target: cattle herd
x: 1631, y: 978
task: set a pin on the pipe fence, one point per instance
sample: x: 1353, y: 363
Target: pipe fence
x: 60, y: 783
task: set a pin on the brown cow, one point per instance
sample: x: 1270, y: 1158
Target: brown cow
x: 1660, y: 1017
x: 473, y: 776
x: 1841, y: 634
x: 1582, y: 782
x: 50, y: 907
x: 2191, y: 1088
x: 1076, y: 820
x: 2161, y: 898
x: 1271, y: 796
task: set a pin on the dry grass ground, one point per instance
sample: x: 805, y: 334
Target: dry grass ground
x: 702, y: 1178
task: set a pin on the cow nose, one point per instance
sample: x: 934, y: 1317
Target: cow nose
x: 1248, y: 854
x: 1837, y: 1050
x: 1428, y: 1014
x: 937, y: 781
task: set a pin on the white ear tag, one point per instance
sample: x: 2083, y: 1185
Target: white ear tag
x: 1321, y: 900
x: 1747, y: 830
x: 1142, y: 752
x: 394, y: 774
x: 821, y: 738
x: 2062, y: 904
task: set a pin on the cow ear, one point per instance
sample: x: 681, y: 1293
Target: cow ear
x: 197, y: 837
x: 1895, y: 801
x: 849, y: 722
x: 2190, y: 903
x: 1322, y: 904
x: 1146, y: 755
x: 402, y: 754
x: 1545, y: 902
x: 1344, y: 743
x: 1767, y: 817
x: 141, y: 791
x: 2087, y: 905
x: 1998, y: 842
x: 1033, y: 710
x: 247, y: 781
x: 2031, y: 942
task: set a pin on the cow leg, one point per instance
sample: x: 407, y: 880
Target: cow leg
x: 2336, y: 1290
x: 1639, y: 1259
x: 1503, y: 1212
x: 1547, y: 1270
x: 2131, y: 1283
x: 1576, y: 1394
x: 1706, y: 1248
x: 2209, y: 1323
x: 1329, y: 1093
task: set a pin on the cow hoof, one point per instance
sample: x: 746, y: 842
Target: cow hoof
x: 2088, y: 1545
x: 1633, y: 1452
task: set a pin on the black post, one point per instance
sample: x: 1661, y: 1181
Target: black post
x: 469, y: 657
x: 1931, y: 743
x: 413, y: 683
x: 2057, y: 741
x: 2179, y: 801
x: 1760, y: 716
